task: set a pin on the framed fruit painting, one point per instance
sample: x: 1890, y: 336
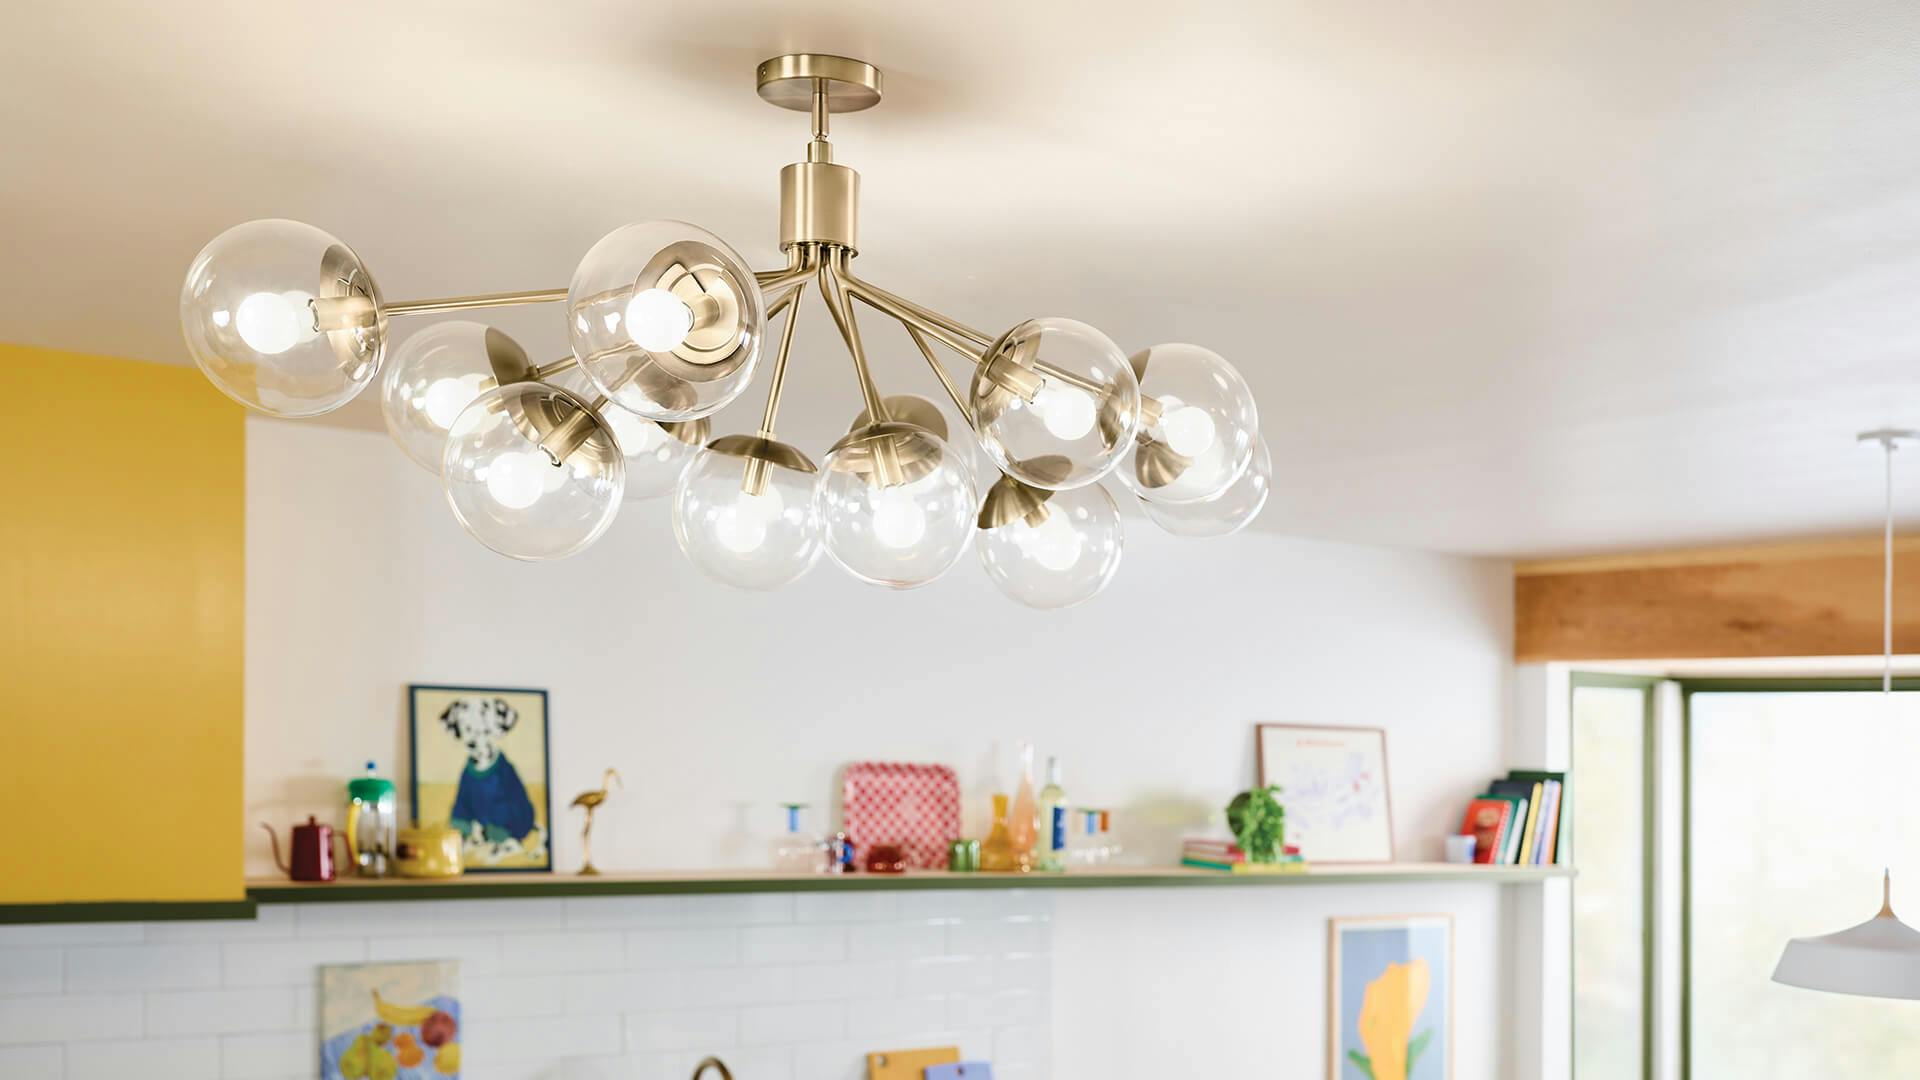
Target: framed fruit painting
x: 390, y: 1021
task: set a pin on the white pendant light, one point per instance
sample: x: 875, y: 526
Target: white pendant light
x: 1879, y: 957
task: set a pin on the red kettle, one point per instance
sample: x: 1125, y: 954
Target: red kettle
x: 312, y: 851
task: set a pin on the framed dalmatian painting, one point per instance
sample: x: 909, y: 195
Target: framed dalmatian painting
x: 480, y: 765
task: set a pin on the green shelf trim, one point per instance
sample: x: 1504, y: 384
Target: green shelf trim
x: 127, y: 911
x: 559, y: 886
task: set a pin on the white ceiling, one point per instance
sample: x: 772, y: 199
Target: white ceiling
x: 1507, y: 277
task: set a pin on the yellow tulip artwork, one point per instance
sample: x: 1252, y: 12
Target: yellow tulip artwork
x: 1389, y: 1008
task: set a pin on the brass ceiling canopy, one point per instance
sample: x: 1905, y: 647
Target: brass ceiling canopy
x: 668, y: 325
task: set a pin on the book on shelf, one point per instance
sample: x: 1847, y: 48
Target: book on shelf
x: 1213, y: 854
x: 1529, y: 832
x: 1488, y: 821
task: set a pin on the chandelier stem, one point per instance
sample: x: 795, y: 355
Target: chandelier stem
x: 547, y: 371
x: 842, y: 312
x: 789, y: 301
x: 928, y: 319
x: 466, y: 303
x: 941, y: 373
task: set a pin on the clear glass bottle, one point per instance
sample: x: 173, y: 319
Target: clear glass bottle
x: 1023, y: 825
x: 997, y: 853
x: 795, y: 852
x: 1053, y: 821
x: 372, y: 823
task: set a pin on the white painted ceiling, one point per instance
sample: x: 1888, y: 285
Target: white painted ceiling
x: 1507, y: 278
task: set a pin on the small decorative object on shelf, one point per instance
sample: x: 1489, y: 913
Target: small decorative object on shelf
x: 1259, y: 822
x: 1337, y: 791
x: 480, y: 765
x: 886, y: 859
x: 997, y: 854
x: 590, y: 801
x: 796, y: 852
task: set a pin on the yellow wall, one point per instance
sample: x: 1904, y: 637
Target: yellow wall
x: 122, y: 518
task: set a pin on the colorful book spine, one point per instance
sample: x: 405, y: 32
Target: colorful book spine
x: 1488, y: 821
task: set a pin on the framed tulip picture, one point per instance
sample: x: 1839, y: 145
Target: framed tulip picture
x: 1390, y: 998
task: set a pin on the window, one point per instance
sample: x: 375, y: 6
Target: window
x: 1608, y: 840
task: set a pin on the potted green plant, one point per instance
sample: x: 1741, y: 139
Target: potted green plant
x: 1259, y: 823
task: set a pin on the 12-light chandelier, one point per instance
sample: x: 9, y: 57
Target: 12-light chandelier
x: 667, y: 326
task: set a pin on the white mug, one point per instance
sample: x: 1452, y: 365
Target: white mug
x: 1460, y: 848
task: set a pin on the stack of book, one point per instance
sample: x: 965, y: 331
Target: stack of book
x: 1208, y: 853
x: 1517, y: 821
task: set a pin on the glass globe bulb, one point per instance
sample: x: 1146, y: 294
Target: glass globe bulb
x: 1204, y: 434
x: 746, y: 522
x: 434, y: 375
x: 505, y: 486
x: 896, y: 505
x: 1050, y: 549
x: 666, y: 320
x: 1055, y: 404
x: 283, y: 318
x: 657, y: 320
x: 656, y: 453
x: 1225, y: 513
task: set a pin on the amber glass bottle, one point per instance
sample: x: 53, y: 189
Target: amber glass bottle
x: 997, y: 855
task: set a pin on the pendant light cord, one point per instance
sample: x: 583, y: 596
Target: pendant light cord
x: 1886, y: 599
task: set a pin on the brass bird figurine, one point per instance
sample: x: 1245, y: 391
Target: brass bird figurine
x: 591, y: 801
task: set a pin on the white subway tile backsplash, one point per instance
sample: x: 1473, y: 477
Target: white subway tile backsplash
x: 32, y: 1062
x: 286, y: 963
x: 812, y: 1021
x: 782, y: 986
x: 478, y: 954
x: 142, y: 967
x: 794, y: 944
x: 704, y: 987
x: 66, y: 1019
x: 270, y: 1056
x: 687, y: 946
x: 221, y: 1012
x: 31, y: 969
x: 563, y: 951
x: 118, y: 1060
x: 686, y: 1029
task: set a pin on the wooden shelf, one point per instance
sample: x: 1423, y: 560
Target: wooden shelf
x: 697, y: 883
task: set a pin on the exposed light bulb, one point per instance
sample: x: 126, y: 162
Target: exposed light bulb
x: 1066, y: 412
x: 1054, y: 543
x: 445, y: 398
x: 898, y: 520
x: 657, y: 320
x: 637, y: 436
x: 1188, y: 430
x: 272, y: 323
x: 517, y: 478
x: 742, y: 527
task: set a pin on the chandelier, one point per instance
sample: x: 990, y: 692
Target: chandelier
x: 668, y: 325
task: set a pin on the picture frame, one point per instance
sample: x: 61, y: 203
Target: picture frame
x: 1335, y: 787
x: 1390, y: 994
x: 391, y: 1019
x: 479, y: 761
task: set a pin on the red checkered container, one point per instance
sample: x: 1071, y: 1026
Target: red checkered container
x: 916, y: 807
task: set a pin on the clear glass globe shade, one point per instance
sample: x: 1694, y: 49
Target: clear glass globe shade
x: 744, y: 531
x: 430, y: 380
x: 666, y: 320
x: 1225, y: 513
x: 248, y: 314
x: 1083, y: 413
x: 896, y: 509
x: 507, y: 491
x: 1205, y: 433
x: 656, y: 454
x: 1060, y: 555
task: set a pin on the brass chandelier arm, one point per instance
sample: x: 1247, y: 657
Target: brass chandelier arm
x: 930, y: 321
x: 940, y: 372
x: 465, y: 303
x: 841, y: 309
x: 802, y: 261
x: 789, y: 301
x: 560, y: 366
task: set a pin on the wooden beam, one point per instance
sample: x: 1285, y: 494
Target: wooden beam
x: 1807, y: 598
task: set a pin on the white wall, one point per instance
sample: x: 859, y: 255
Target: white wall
x: 716, y: 705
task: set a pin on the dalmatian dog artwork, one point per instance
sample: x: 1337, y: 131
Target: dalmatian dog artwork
x: 491, y: 809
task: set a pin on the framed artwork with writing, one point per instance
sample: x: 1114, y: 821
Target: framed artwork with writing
x: 1333, y: 783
